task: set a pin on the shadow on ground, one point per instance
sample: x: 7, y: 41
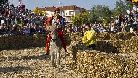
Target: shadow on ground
x: 40, y: 57
x: 13, y: 69
x: 107, y: 47
x: 101, y: 46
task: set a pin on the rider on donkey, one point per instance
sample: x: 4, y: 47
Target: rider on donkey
x: 55, y: 39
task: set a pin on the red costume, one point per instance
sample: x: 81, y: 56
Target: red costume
x: 48, y: 39
x: 49, y: 21
x: 58, y: 30
x: 60, y: 35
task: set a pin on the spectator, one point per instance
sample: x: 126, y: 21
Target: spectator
x: 15, y: 19
x: 89, y: 37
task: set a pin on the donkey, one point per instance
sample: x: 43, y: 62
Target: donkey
x: 55, y: 45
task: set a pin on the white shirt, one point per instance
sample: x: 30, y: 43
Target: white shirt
x: 131, y: 30
x: 112, y: 28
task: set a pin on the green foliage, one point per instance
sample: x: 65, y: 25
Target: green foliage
x: 121, y: 7
x: 81, y: 18
x: 100, y: 13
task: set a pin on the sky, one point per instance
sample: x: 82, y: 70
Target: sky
x: 87, y: 4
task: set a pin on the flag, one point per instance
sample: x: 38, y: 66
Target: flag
x: 134, y: 0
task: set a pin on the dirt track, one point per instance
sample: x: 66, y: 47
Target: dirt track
x: 30, y: 63
x: 33, y: 63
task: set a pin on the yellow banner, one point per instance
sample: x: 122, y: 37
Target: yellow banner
x: 134, y: 0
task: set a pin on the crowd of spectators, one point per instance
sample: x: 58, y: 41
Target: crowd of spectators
x: 20, y: 21
x: 121, y: 23
x: 127, y: 23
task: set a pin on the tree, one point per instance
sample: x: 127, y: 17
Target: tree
x: 100, y: 13
x: 39, y: 11
x: 81, y: 18
x: 122, y: 7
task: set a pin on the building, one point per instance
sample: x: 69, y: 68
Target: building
x: 66, y: 11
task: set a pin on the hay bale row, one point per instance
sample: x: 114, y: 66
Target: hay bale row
x: 16, y: 42
x: 121, y: 42
x: 102, y: 65
x: 118, y: 36
x: 123, y: 46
